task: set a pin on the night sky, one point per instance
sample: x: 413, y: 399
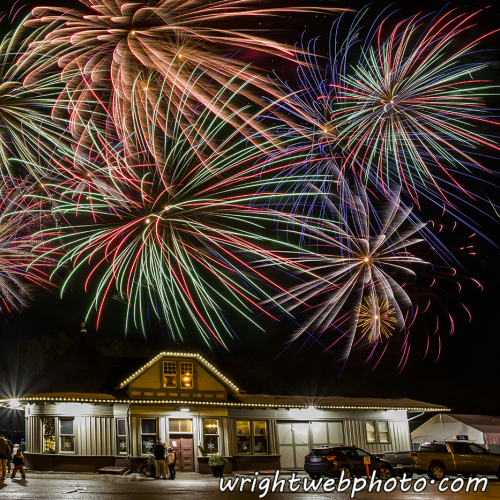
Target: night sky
x: 466, y: 375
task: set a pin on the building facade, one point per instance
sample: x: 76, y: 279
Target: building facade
x: 186, y: 402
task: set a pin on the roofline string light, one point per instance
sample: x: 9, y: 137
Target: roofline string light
x: 162, y: 354
x: 223, y: 403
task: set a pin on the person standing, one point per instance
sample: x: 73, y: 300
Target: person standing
x: 4, y: 456
x: 22, y: 445
x: 18, y: 464
x: 9, y: 460
x: 171, y: 463
x: 159, y: 454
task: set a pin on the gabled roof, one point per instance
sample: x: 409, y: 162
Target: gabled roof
x: 84, y: 374
x: 198, y: 358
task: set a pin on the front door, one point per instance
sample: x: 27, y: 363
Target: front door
x: 183, y: 447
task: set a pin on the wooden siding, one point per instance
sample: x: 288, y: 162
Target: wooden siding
x: 181, y: 394
x: 307, y: 414
x: 207, y: 382
x: 150, y: 379
x: 163, y: 429
x: 354, y: 424
x: 135, y: 436
x: 95, y: 425
x: 150, y: 384
x: 95, y: 436
x: 72, y: 409
x: 399, y: 436
x: 34, y: 434
x: 165, y: 411
x: 120, y: 410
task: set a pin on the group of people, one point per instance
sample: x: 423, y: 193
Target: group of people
x: 161, y: 461
x: 6, y: 449
x: 163, y: 456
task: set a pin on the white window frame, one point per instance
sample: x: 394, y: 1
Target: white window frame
x: 148, y: 434
x: 56, y: 424
x: 60, y: 436
x: 174, y: 363
x: 118, y: 436
x: 182, y: 367
x: 259, y: 435
x: 180, y: 432
x: 252, y: 436
x: 376, y: 424
x: 207, y: 452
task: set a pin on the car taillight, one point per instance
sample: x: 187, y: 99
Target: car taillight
x: 414, y: 456
x: 331, y: 457
x: 307, y: 456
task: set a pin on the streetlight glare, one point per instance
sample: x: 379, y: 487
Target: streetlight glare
x: 15, y: 404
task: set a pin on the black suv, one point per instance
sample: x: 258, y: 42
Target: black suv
x: 332, y: 460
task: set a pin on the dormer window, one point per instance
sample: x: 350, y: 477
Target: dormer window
x: 170, y: 374
x: 186, y: 375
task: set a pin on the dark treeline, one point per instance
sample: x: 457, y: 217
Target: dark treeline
x: 41, y: 353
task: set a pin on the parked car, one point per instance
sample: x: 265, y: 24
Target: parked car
x: 333, y: 460
x: 447, y: 458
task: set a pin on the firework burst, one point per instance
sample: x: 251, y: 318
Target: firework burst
x: 176, y: 194
x: 359, y: 271
x: 119, y: 49
x: 376, y: 318
x: 169, y: 221
x: 407, y: 114
x: 21, y: 268
x: 29, y: 139
x: 401, y: 111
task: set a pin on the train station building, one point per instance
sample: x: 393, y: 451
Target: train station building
x: 91, y: 411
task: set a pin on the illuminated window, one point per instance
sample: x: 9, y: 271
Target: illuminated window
x: 243, y: 437
x: 148, y: 435
x: 260, y: 444
x: 121, y: 434
x: 211, y: 436
x: 49, y: 435
x: 252, y: 437
x: 383, y: 432
x: 371, y: 435
x: 66, y: 435
x: 187, y: 375
x: 377, y: 431
x: 169, y: 374
x: 179, y: 425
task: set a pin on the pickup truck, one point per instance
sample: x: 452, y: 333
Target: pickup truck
x: 439, y: 460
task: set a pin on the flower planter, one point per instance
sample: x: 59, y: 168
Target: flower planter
x: 152, y: 471
x: 217, y: 470
x: 217, y: 462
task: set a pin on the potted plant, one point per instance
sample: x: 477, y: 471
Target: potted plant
x: 217, y: 462
x: 152, y: 466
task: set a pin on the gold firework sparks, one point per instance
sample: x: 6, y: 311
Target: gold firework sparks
x: 376, y: 317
